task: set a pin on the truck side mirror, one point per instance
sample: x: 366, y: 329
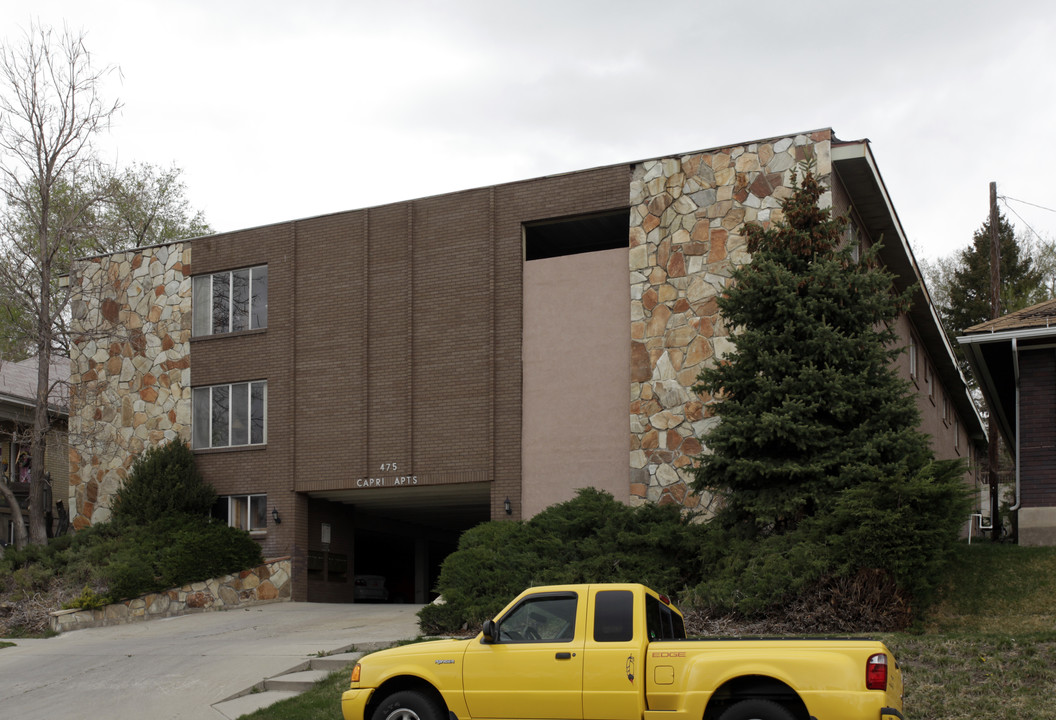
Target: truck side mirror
x: 490, y: 632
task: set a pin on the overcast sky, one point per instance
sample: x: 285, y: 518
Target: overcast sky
x: 283, y: 110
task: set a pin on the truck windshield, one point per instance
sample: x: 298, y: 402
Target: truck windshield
x: 663, y: 623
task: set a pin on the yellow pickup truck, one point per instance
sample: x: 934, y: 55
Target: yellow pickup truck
x: 620, y: 652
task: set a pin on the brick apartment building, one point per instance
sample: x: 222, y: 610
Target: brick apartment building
x: 361, y: 387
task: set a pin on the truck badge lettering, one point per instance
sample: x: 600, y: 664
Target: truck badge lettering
x: 445, y: 662
x: 668, y: 654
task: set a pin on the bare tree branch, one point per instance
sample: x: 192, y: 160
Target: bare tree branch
x: 51, y: 111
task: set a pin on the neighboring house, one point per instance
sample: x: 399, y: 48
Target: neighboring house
x: 363, y: 386
x: 1014, y: 358
x: 18, y: 389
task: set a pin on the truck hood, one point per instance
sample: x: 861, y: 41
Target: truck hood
x: 428, y: 660
x: 447, y: 647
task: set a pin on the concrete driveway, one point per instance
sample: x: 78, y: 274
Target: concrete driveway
x: 180, y: 667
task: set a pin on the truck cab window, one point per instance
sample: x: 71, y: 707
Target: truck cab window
x: 550, y: 618
x: 614, y: 616
x: 662, y: 622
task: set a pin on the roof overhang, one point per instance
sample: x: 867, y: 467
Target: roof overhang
x: 20, y: 410
x: 992, y: 356
x: 856, y: 168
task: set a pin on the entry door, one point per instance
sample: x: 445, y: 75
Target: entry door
x: 534, y: 669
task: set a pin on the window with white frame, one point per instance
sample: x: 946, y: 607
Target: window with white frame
x: 230, y: 301
x: 229, y: 415
x: 854, y: 240
x: 928, y: 384
x: 912, y: 356
x: 945, y: 409
x: 245, y: 512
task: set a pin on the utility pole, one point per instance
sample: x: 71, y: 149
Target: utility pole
x: 994, y: 445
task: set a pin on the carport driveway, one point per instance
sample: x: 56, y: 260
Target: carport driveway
x: 179, y: 667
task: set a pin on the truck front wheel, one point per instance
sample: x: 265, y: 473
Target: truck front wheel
x: 757, y: 710
x: 408, y: 705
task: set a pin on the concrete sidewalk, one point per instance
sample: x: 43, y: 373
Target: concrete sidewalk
x: 180, y: 667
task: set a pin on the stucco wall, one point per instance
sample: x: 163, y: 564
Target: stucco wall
x: 575, y: 363
x: 949, y: 438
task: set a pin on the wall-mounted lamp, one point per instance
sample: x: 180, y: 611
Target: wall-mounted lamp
x: 507, y: 507
x: 275, y: 516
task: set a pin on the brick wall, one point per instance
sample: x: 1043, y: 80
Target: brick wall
x: 394, y: 338
x: 255, y: 355
x: 1037, y: 427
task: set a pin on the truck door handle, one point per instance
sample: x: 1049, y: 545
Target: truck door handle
x: 563, y: 656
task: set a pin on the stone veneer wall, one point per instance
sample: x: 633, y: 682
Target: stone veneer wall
x: 129, y: 367
x: 266, y: 583
x: 688, y: 216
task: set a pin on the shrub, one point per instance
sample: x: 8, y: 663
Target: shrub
x: 200, y: 548
x: 594, y: 538
x: 174, y: 551
x: 907, y: 526
x: 124, y: 561
x: 31, y: 579
x: 591, y: 538
x: 904, y: 529
x: 129, y: 576
x: 748, y: 575
x: 492, y: 564
x: 89, y: 599
x: 163, y: 481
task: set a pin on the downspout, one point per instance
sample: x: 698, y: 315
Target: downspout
x: 1015, y: 373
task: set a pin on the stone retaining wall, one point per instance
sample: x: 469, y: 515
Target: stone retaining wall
x: 269, y: 582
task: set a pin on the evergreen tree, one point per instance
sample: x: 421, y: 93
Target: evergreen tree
x: 810, y: 402
x: 810, y: 407
x: 966, y: 300
x: 163, y: 481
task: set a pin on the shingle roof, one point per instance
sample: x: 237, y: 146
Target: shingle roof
x: 1042, y: 315
x: 18, y: 380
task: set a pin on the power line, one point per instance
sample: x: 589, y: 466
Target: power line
x: 1020, y: 217
x: 1006, y: 198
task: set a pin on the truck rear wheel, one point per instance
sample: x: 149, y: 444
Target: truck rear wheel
x: 757, y: 710
x: 408, y: 705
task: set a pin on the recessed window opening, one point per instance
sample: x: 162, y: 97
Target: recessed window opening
x: 230, y: 301
x: 245, y: 512
x: 912, y: 356
x: 229, y: 415
x: 572, y: 236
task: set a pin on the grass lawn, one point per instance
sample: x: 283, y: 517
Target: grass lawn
x: 991, y: 675
x: 322, y: 702
x: 987, y: 651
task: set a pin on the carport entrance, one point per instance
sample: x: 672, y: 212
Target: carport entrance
x: 399, y: 536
